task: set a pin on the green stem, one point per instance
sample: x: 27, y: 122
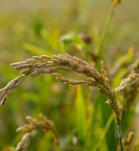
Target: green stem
x: 120, y: 135
x: 105, y: 30
x: 99, y: 50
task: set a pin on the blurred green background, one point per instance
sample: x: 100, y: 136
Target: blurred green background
x: 35, y: 27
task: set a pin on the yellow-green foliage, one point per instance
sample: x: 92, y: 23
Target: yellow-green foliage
x: 82, y: 117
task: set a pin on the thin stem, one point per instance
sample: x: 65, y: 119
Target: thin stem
x: 118, y: 122
x: 105, y: 30
x: 120, y: 136
x: 100, y: 51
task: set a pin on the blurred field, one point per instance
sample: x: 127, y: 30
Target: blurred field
x: 79, y: 113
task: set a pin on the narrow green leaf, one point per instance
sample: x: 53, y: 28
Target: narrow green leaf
x: 80, y: 116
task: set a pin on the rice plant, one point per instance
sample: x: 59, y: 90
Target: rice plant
x: 88, y: 92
